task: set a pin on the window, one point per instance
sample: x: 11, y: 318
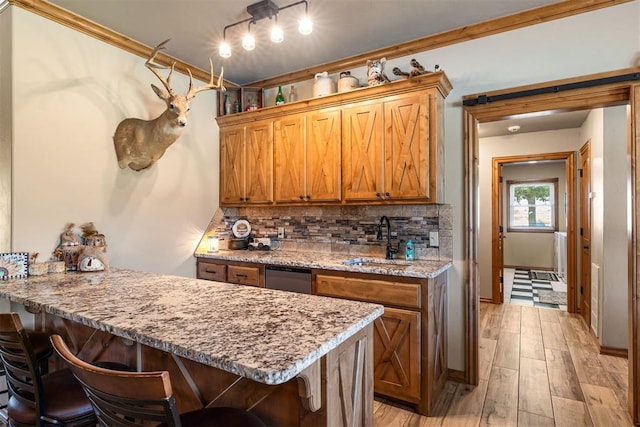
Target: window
x: 533, y: 205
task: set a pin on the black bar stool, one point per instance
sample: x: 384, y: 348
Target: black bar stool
x: 37, y: 399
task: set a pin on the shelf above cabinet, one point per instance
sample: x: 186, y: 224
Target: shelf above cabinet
x: 437, y: 80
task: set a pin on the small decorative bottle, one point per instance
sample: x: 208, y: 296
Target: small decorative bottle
x: 279, y: 96
x: 408, y: 251
x: 292, y: 94
x: 227, y: 104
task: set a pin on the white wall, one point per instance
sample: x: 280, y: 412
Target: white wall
x: 153, y: 219
x: 502, y: 146
x: 533, y: 250
x: 69, y: 93
x: 5, y: 130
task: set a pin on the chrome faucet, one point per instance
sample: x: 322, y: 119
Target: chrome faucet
x: 390, y: 249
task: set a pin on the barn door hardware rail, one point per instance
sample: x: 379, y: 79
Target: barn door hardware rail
x: 485, y: 99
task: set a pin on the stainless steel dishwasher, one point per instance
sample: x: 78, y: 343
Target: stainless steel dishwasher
x: 288, y: 279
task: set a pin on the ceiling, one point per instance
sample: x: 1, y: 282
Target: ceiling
x: 537, y: 122
x: 342, y: 28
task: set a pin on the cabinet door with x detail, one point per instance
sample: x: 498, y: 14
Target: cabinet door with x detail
x: 397, y: 354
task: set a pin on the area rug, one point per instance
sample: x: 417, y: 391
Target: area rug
x: 552, y: 297
x: 543, y: 275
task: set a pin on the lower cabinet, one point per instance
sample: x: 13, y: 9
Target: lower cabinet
x: 396, y: 349
x: 410, y: 348
x: 410, y: 338
x: 241, y: 273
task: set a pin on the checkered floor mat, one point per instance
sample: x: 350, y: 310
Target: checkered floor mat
x: 526, y: 289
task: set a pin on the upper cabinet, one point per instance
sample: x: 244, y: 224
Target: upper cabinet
x: 307, y: 157
x: 382, y: 144
x: 246, y: 164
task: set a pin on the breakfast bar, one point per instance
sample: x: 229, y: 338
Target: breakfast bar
x: 292, y: 359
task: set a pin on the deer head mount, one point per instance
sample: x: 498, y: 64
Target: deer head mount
x: 140, y: 143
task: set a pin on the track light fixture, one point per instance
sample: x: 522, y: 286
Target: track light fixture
x: 265, y: 9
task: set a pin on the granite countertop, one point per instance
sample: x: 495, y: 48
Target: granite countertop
x: 266, y: 335
x: 333, y: 261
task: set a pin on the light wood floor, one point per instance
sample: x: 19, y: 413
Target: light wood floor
x: 538, y: 367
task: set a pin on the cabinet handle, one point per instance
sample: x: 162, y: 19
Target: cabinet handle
x: 301, y: 197
x: 379, y: 195
x: 387, y: 194
x: 211, y: 271
x: 243, y: 276
x: 246, y: 199
x: 308, y: 197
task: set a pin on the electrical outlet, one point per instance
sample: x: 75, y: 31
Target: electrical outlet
x: 280, y: 232
x: 434, y: 239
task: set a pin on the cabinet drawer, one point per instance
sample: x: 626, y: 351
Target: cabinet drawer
x: 243, y: 275
x: 378, y: 291
x: 210, y: 271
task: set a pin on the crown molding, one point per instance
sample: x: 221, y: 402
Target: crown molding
x: 100, y: 32
x: 561, y: 9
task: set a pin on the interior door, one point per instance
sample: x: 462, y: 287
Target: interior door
x: 497, y: 235
x: 584, y: 180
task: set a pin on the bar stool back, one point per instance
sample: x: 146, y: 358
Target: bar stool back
x: 127, y: 399
x: 36, y: 399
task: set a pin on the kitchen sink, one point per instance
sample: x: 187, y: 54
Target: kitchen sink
x: 379, y: 262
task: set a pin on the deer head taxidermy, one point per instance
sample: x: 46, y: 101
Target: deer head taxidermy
x: 140, y: 143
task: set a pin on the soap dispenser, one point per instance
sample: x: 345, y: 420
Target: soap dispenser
x: 408, y: 251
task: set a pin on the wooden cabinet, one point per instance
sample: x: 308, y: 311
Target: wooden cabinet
x: 410, y: 350
x: 211, y: 271
x: 362, y: 152
x: 240, y: 273
x: 382, y: 144
x: 307, y: 157
x: 390, y: 149
x: 396, y: 349
x: 246, y: 164
x: 244, y: 275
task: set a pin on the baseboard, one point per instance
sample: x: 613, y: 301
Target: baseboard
x: 458, y: 376
x: 486, y: 299
x: 614, y: 351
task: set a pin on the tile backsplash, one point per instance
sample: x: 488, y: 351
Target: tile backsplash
x: 344, y: 229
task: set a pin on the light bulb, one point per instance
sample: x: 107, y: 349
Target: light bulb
x: 248, y: 42
x: 276, y: 34
x: 305, y: 26
x: 225, y: 50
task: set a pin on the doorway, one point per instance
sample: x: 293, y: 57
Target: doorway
x: 598, y: 93
x: 536, y: 236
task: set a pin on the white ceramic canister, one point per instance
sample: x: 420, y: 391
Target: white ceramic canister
x: 347, y: 82
x: 323, y: 85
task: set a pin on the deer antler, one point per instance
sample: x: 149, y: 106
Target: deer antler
x: 154, y: 67
x: 220, y: 85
